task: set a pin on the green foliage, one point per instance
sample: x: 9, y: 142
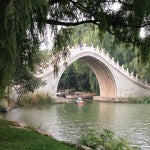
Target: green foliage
x: 19, y: 37
x: 78, y: 76
x: 27, y: 139
x: 62, y: 39
x: 87, y: 76
x: 35, y: 99
x: 141, y: 100
x: 27, y: 81
x: 106, y: 140
x: 44, y: 56
x: 125, y: 23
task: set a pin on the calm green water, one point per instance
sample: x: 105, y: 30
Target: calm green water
x: 69, y: 121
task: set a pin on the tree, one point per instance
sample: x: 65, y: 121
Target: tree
x: 125, y: 24
x: 22, y: 21
x: 79, y: 77
x: 19, y: 39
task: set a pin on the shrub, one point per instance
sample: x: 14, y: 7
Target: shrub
x: 106, y: 140
x: 142, y: 100
x: 33, y: 99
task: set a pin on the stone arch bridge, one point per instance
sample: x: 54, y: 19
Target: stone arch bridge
x: 114, y: 81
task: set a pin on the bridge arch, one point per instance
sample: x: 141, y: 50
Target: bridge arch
x: 100, y: 68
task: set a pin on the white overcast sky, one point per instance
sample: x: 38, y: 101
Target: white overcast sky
x: 47, y: 40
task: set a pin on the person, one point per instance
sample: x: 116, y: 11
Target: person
x: 80, y: 46
x: 55, y: 69
x: 64, y: 53
x: 68, y: 52
x: 55, y: 62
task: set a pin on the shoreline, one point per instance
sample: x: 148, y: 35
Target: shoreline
x: 61, y: 100
x: 27, y: 137
x: 21, y: 126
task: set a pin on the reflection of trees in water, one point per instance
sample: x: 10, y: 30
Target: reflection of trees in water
x: 78, y: 120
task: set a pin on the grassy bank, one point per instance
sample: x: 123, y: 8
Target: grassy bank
x: 139, y: 100
x: 27, y: 139
x: 12, y: 138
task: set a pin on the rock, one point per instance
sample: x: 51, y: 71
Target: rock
x: 86, y: 148
x: 19, y: 124
x: 43, y: 132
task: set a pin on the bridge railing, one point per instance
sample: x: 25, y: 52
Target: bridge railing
x: 111, y: 60
x: 73, y: 50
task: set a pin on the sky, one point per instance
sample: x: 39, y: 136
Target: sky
x: 47, y: 40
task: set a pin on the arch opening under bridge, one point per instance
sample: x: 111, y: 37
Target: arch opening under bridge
x: 105, y: 79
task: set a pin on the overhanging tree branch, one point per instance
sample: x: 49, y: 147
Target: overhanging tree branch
x: 96, y: 22
x: 56, y: 22
x: 125, y: 4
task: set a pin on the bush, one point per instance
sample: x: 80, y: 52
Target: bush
x: 106, y: 140
x: 33, y: 99
x: 142, y: 100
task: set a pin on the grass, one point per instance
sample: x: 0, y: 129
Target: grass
x: 27, y: 139
x: 139, y: 100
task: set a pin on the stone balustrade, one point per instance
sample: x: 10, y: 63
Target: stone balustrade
x: 97, y: 50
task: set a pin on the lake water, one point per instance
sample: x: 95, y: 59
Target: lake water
x: 68, y: 122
